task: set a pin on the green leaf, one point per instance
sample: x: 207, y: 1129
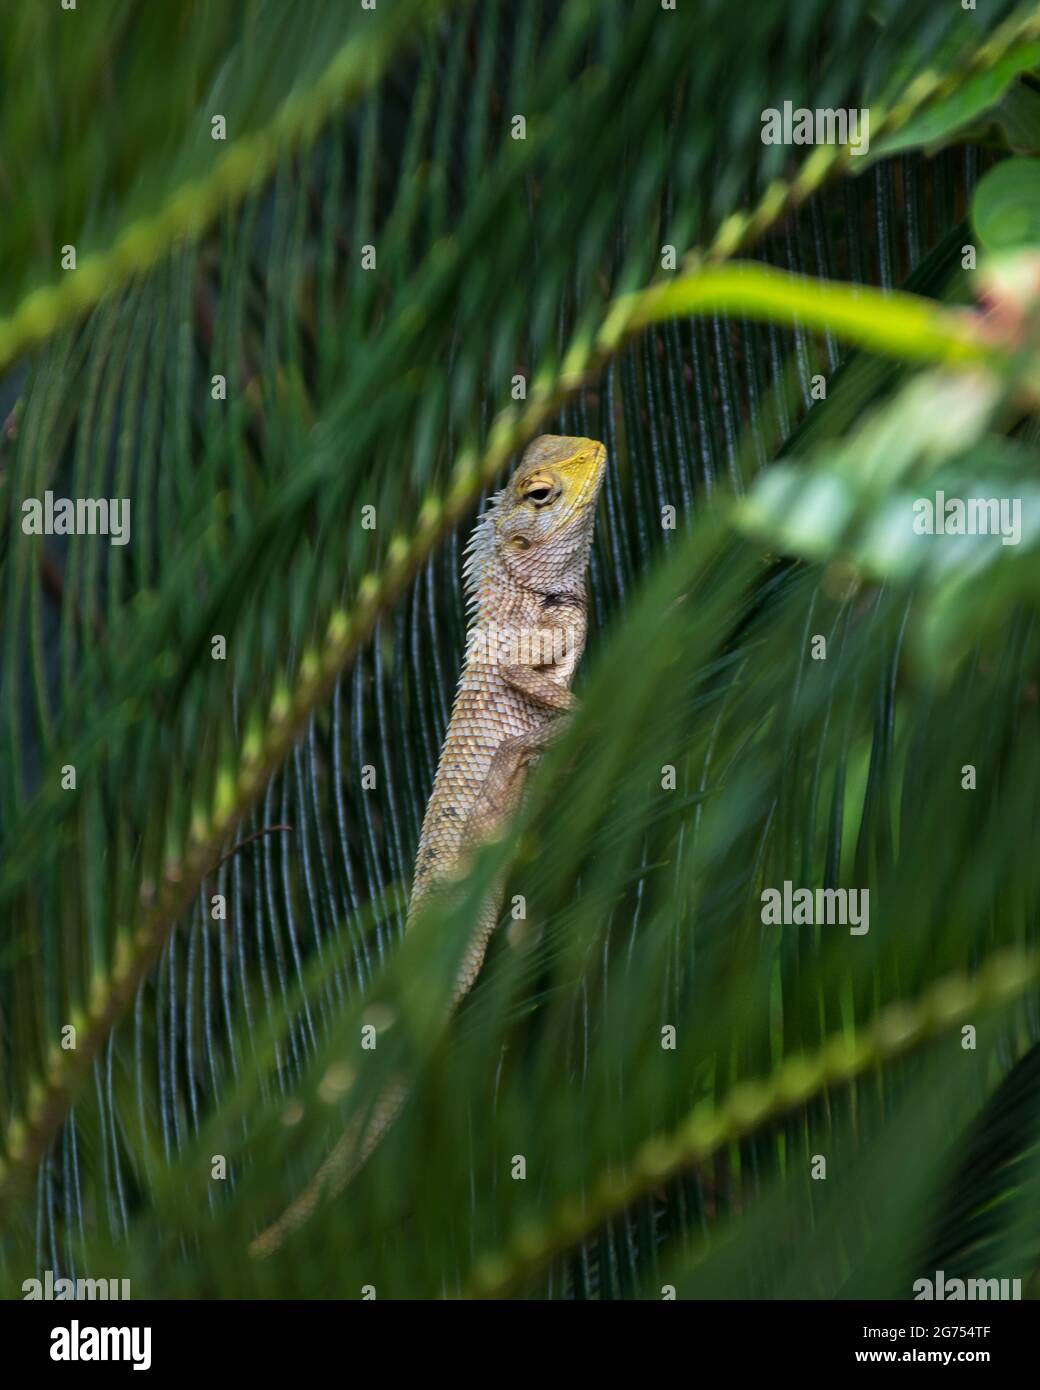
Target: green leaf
x: 953, y: 117
x: 1006, y: 206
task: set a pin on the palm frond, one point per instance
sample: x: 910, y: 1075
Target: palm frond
x: 306, y: 355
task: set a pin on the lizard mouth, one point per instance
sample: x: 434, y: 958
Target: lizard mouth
x: 591, y: 477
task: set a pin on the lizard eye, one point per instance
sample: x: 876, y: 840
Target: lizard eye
x: 540, y: 491
x: 521, y: 543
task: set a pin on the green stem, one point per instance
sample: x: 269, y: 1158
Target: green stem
x: 709, y: 1127
x: 240, y: 170
x: 892, y: 322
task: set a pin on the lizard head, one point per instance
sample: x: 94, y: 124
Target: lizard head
x: 543, y: 518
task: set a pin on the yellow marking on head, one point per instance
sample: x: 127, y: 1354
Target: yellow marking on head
x: 555, y: 465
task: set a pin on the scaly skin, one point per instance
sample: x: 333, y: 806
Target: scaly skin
x: 525, y: 574
x: 525, y: 577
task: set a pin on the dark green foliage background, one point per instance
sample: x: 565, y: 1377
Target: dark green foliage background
x: 348, y: 388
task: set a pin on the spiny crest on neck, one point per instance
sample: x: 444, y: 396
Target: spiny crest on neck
x: 479, y: 556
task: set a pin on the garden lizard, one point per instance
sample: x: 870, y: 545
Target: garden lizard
x: 524, y: 574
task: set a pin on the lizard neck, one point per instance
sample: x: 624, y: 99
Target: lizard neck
x: 495, y: 592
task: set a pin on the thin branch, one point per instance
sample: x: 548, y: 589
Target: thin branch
x: 267, y: 830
